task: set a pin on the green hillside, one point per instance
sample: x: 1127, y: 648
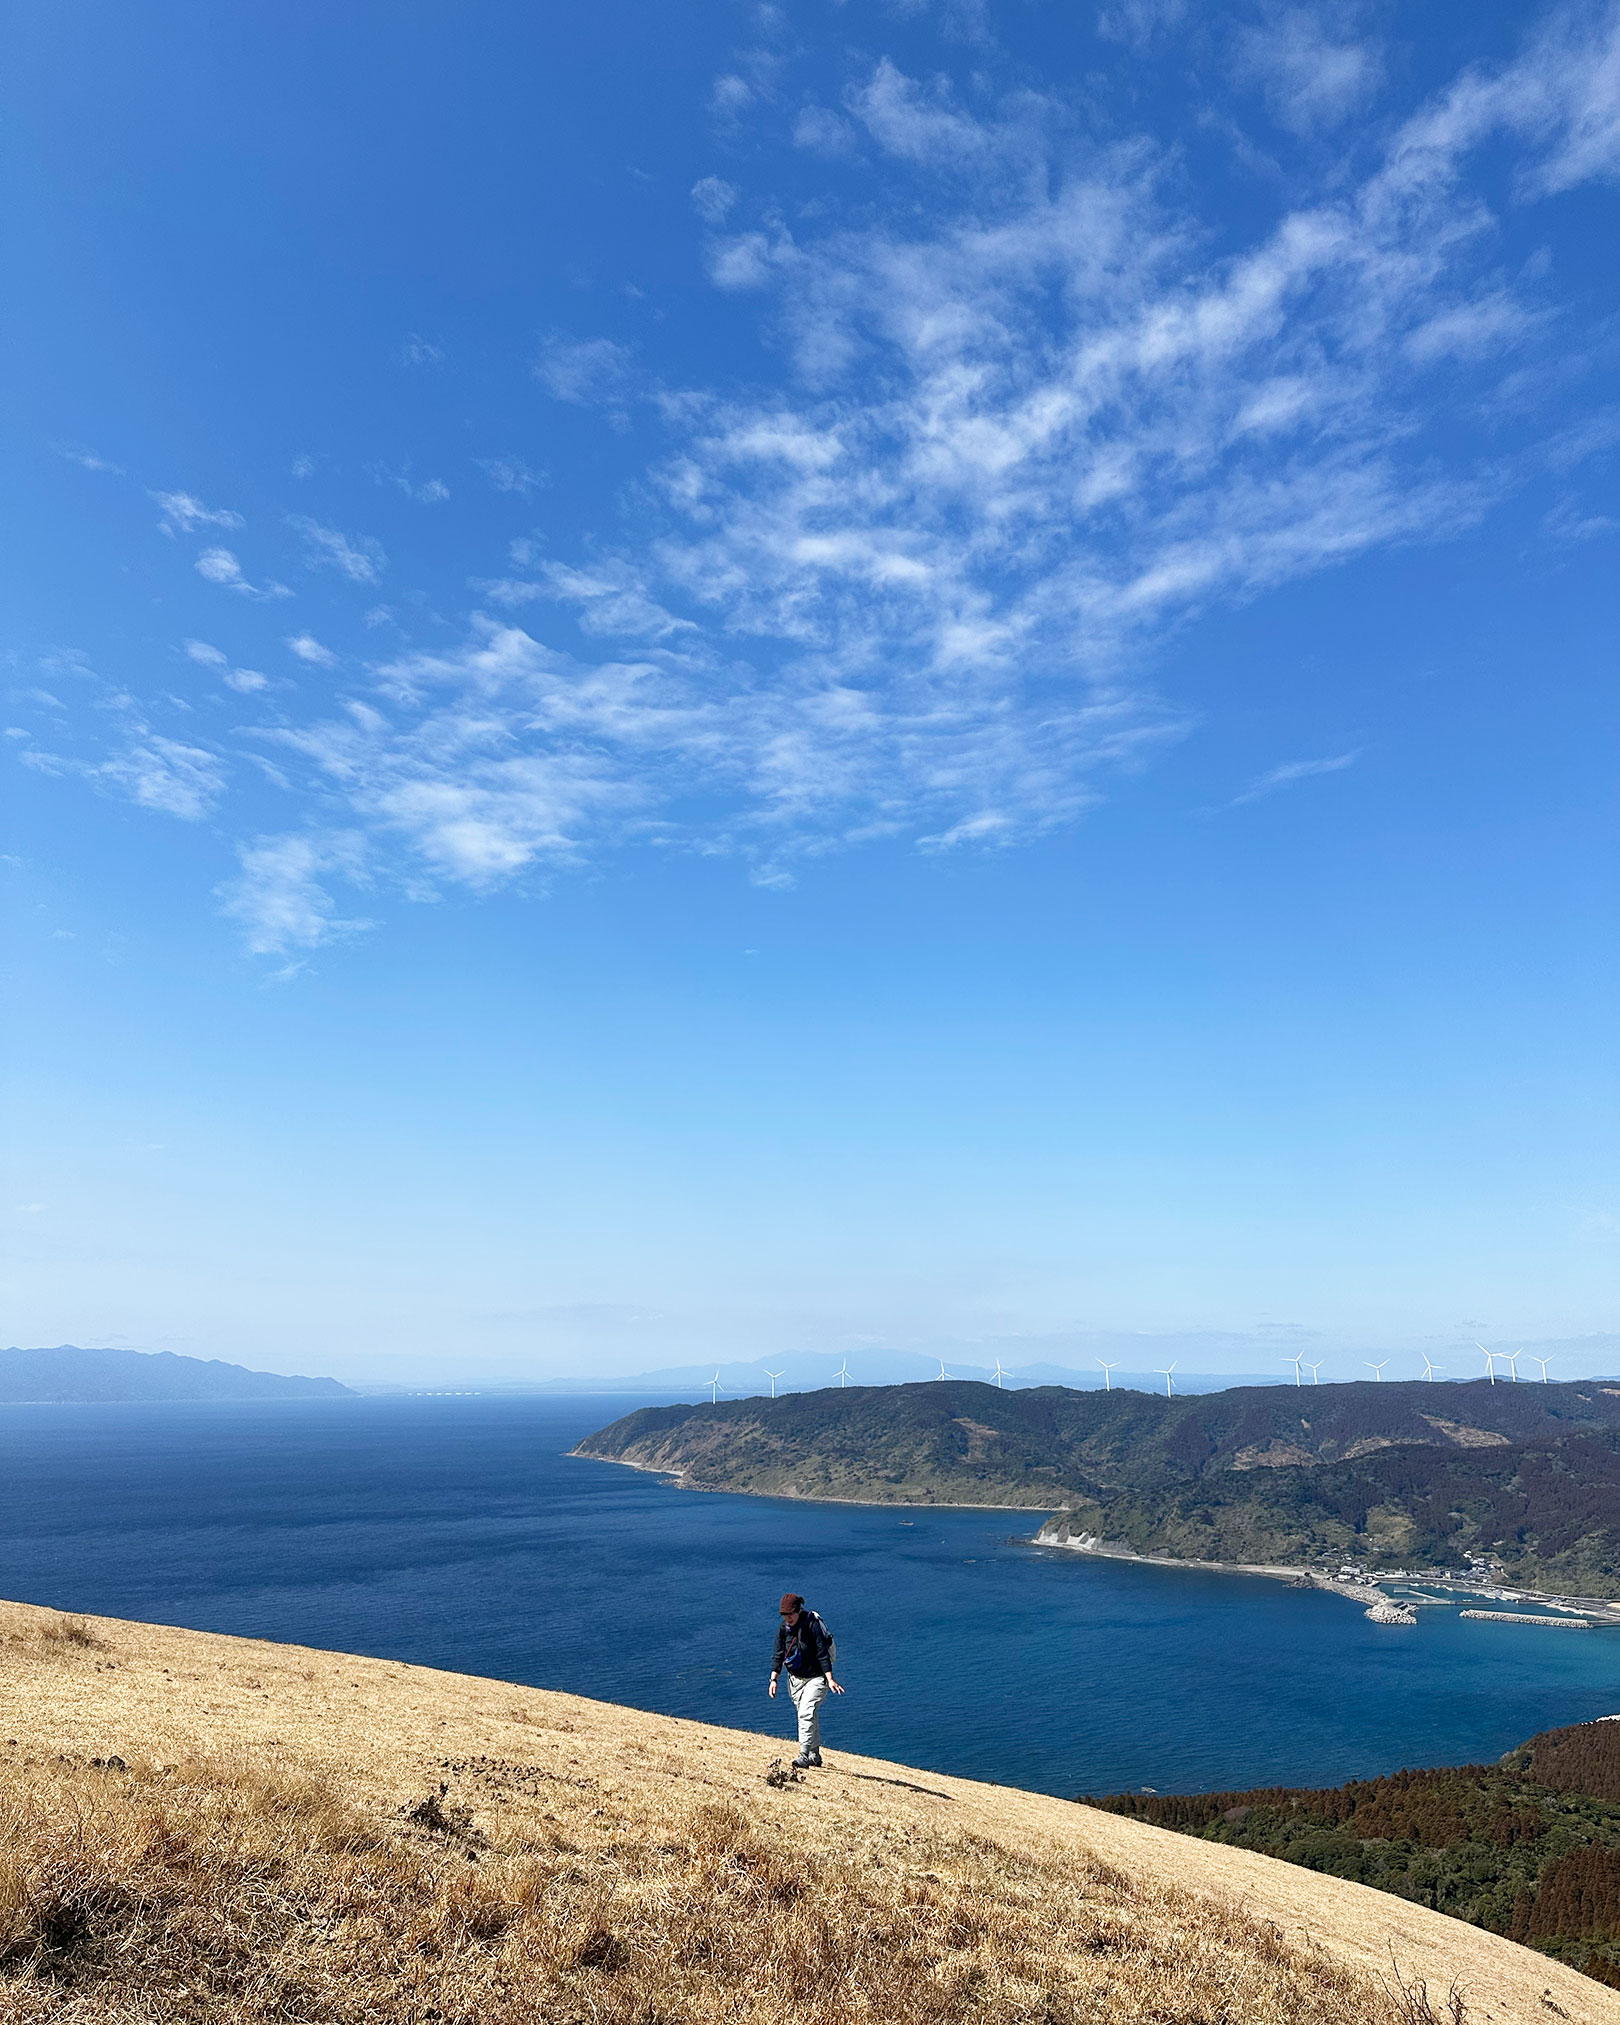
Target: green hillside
x: 1397, y: 1475
x: 1529, y: 1848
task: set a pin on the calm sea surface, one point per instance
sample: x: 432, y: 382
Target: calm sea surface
x: 457, y: 1533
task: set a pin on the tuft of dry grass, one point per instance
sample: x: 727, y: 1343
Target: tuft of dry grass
x: 1414, y: 2006
x: 226, y: 1889
x: 55, y: 1631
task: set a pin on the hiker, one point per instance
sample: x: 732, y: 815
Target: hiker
x: 808, y: 1651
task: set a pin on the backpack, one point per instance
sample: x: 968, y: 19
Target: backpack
x: 832, y: 1643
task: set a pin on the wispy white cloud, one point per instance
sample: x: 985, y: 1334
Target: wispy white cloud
x: 88, y: 461
x: 281, y: 896
x: 918, y: 122
x: 823, y: 132
x: 1291, y: 771
x: 310, y: 650
x: 591, y: 369
x: 220, y: 566
x: 245, y: 681
x: 730, y: 95
x: 184, y: 513
x: 418, y: 351
x: 1033, y: 417
x: 424, y: 492
x: 1138, y: 23
x: 712, y: 198
x: 610, y: 599
x: 1315, y: 71
x: 1570, y: 521
x: 161, y: 773
x: 362, y: 561
x: 153, y: 771
x: 505, y: 755
x: 490, y: 759
x: 511, y: 474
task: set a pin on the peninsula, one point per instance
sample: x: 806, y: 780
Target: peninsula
x: 1521, y: 1481
x: 207, y: 1828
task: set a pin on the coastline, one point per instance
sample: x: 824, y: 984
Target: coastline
x: 1279, y: 1571
x: 1368, y: 1595
x: 1365, y: 1593
x: 678, y: 1480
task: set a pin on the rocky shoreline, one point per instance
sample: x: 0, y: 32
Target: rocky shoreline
x: 1371, y: 1592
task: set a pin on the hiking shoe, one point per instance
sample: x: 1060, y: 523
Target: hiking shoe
x: 816, y: 1762
x: 802, y: 1764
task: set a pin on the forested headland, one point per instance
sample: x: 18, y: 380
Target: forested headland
x: 1395, y: 1476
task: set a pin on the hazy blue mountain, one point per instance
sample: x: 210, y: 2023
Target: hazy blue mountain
x: 73, y: 1376
x: 814, y: 1371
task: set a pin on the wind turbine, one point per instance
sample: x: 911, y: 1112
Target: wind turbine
x: 842, y: 1374
x: 1297, y: 1362
x: 1512, y: 1357
x: 942, y: 1371
x: 1543, y: 1362
x: 773, y: 1376
x: 1108, y: 1383
x: 1429, y: 1369
x: 1490, y: 1357
x: 714, y: 1392
x: 1377, y: 1371
x: 1000, y: 1374
x: 1165, y: 1375
x: 1313, y: 1369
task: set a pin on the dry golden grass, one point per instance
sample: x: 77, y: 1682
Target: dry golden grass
x: 196, y: 1827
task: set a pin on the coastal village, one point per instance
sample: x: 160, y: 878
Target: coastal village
x: 1391, y: 1596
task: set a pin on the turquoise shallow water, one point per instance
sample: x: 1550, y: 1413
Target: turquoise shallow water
x: 459, y: 1533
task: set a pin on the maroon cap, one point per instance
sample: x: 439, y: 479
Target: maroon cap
x: 790, y: 1603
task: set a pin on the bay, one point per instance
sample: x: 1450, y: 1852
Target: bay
x: 457, y: 1532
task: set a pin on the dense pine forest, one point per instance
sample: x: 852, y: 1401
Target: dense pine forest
x: 1529, y: 1847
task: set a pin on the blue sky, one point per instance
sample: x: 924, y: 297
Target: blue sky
x: 718, y: 680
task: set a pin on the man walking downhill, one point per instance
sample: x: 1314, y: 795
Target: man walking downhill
x: 805, y: 1649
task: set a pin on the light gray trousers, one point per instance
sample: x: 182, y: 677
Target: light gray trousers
x: 808, y: 1696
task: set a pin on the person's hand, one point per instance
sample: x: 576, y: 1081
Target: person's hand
x: 832, y: 1686
x: 773, y: 1687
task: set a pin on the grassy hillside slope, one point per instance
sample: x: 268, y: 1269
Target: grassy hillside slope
x: 1397, y: 1475
x: 196, y: 1827
x: 1529, y: 1847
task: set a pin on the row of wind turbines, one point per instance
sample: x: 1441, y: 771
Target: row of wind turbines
x: 842, y: 1375
x: 1431, y: 1371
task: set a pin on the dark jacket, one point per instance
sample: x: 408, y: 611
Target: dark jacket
x: 805, y: 1649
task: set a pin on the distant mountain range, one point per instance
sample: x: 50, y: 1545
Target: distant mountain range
x: 1396, y: 1475
x: 68, y: 1375
x: 814, y: 1371
x: 1137, y: 1363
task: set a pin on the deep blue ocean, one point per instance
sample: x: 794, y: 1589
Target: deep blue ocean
x: 458, y: 1533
